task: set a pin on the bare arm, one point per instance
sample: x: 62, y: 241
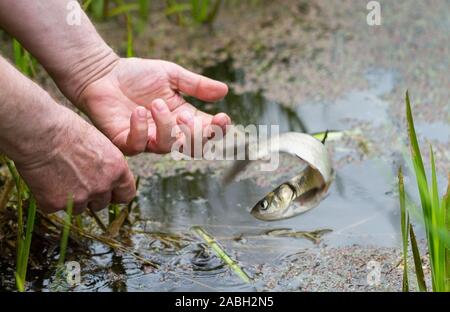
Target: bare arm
x: 56, y: 151
x: 27, y: 116
x: 112, y: 91
x: 74, y: 55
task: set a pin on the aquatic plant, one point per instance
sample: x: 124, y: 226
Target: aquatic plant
x: 24, y: 233
x: 65, y: 232
x: 199, y: 11
x: 144, y: 9
x: 435, y: 213
x: 408, y: 231
x: 23, y: 60
x: 97, y: 8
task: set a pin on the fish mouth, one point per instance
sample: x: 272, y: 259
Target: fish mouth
x: 268, y: 216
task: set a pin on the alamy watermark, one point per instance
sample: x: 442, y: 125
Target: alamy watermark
x: 374, y: 276
x: 250, y: 142
x: 374, y: 16
x: 73, y: 17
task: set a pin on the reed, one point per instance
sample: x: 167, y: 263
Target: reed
x: 198, y: 11
x: 23, y: 60
x: 65, y: 232
x: 435, y: 213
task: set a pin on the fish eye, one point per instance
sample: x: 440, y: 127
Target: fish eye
x: 264, y: 205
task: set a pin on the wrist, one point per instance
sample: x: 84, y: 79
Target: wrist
x: 92, y: 64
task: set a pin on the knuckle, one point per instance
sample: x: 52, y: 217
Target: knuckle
x: 80, y: 199
x: 50, y: 205
x: 102, y: 190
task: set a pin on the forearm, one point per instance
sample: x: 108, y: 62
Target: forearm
x: 74, y: 55
x: 30, y: 122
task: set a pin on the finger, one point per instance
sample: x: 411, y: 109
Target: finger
x: 199, y: 86
x: 221, y: 120
x: 193, y: 133
x: 79, y: 207
x: 165, y: 122
x: 138, y: 136
x: 125, y: 190
x: 100, y: 202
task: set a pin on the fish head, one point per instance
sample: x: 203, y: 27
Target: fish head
x: 274, y: 205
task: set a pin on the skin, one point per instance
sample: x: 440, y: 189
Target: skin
x: 56, y: 151
x: 134, y: 102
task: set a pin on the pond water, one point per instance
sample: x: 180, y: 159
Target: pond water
x: 361, y: 207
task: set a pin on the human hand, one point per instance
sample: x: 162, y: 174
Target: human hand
x: 117, y: 104
x: 78, y: 161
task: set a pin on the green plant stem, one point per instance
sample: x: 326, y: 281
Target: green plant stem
x: 417, y: 261
x: 404, y: 226
x: 65, y: 232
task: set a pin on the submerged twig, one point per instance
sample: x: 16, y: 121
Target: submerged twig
x: 114, y: 244
x: 221, y: 253
x: 98, y: 220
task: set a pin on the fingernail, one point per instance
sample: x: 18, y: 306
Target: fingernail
x: 159, y: 105
x: 186, y: 117
x: 141, y: 112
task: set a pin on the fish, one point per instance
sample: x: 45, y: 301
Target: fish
x: 291, y: 198
x: 300, y: 193
x: 304, y: 187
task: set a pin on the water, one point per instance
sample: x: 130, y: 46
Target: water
x: 361, y: 208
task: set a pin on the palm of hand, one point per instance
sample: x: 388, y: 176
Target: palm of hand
x: 114, y: 103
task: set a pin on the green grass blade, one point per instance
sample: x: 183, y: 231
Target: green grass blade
x: 20, y: 284
x: 22, y: 265
x: 212, y: 243
x: 213, y: 12
x: 417, y: 261
x: 446, y: 217
x: 417, y: 160
x: 437, y: 222
x: 13, y: 171
x: 65, y: 232
x: 177, y: 8
x: 123, y: 9
x: 20, y: 237
x: 97, y: 8
x: 144, y: 8
x: 200, y: 10
x: 86, y: 4
x: 130, y: 44
x: 404, y: 226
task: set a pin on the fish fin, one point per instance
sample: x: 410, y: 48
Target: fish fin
x: 325, y: 137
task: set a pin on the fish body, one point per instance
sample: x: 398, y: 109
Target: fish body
x: 302, y: 192
x: 292, y: 197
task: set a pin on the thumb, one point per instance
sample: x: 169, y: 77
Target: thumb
x: 199, y: 86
